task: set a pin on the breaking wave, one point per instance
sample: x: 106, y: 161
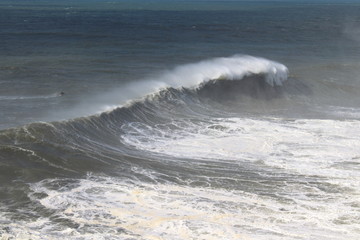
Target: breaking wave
x: 187, y: 157
x: 190, y: 92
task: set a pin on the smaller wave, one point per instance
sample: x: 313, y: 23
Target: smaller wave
x: 12, y: 98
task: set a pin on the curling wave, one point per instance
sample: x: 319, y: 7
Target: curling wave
x: 193, y: 76
x: 231, y: 68
x: 76, y: 145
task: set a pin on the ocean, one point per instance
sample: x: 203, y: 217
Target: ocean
x: 178, y: 120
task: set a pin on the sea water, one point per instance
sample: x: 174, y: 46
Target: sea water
x: 179, y: 120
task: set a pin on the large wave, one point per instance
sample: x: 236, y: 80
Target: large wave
x: 51, y: 148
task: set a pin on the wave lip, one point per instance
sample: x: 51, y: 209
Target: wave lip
x: 231, y: 68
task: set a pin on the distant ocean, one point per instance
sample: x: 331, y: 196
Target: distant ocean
x: 180, y: 120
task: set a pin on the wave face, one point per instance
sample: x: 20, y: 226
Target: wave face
x: 211, y: 154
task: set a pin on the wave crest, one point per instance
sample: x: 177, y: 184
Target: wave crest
x: 227, y: 68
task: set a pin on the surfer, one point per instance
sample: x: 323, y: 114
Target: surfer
x: 61, y: 94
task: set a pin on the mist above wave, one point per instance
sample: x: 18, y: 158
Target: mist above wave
x: 226, y: 68
x: 189, y: 76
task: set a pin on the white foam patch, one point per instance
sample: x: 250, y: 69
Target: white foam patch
x: 107, y: 208
x: 325, y: 148
x: 112, y: 208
